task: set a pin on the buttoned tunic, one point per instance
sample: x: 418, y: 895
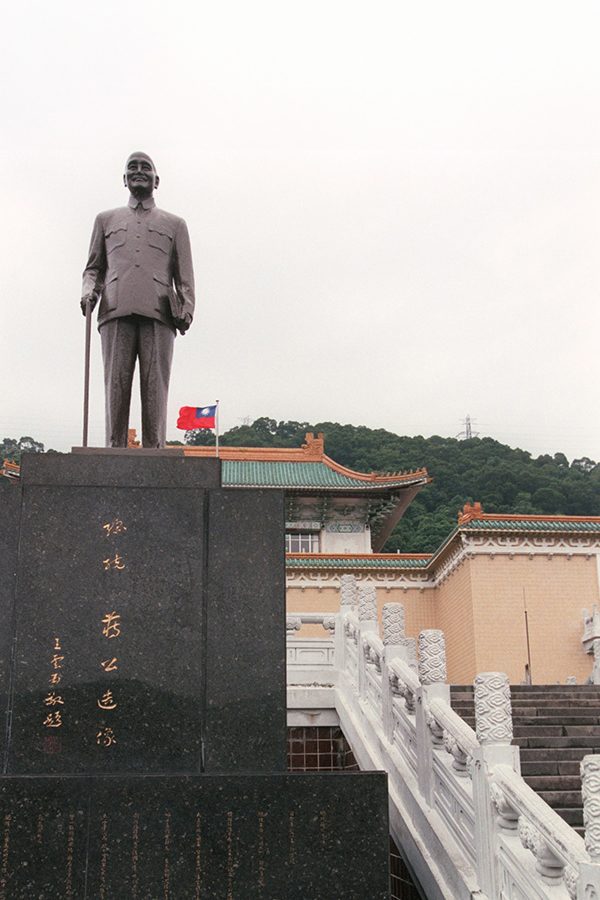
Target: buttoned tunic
x: 140, y: 263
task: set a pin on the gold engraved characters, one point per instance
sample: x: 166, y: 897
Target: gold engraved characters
x: 117, y: 526
x: 107, y: 701
x: 54, y: 718
x: 115, y: 563
x: 112, y: 625
x: 111, y: 630
x: 106, y: 737
x: 109, y: 665
x: 54, y: 699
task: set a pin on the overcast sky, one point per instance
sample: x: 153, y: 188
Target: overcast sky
x: 394, y: 208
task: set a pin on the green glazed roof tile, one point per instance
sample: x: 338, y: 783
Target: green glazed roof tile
x: 259, y: 473
x: 529, y: 525
x: 349, y: 562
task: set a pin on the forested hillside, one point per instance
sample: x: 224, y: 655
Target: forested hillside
x: 504, y: 479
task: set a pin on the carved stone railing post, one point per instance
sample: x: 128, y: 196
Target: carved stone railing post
x: 411, y: 653
x: 589, y: 873
x: 367, y: 617
x: 493, y: 715
x: 493, y: 718
x: 394, y: 642
x: 348, y: 601
x: 348, y: 592
x: 432, y: 675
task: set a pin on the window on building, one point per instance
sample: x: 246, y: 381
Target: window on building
x: 302, y: 542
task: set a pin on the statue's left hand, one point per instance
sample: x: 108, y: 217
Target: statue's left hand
x: 183, y: 324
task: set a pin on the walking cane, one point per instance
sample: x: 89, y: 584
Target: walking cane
x: 86, y: 379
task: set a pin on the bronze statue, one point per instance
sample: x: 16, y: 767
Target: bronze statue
x: 140, y: 268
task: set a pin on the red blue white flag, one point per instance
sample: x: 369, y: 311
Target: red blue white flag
x: 191, y: 417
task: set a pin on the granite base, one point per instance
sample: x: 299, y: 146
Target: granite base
x: 210, y: 837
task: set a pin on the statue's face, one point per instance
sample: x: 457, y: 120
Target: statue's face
x: 140, y: 175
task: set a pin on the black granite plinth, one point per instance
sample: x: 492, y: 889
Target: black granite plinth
x: 281, y: 837
x: 245, y: 668
x: 149, y: 619
x: 124, y: 468
x: 10, y: 515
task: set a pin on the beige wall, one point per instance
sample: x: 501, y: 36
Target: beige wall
x: 555, y: 590
x: 454, y: 608
x: 419, y: 606
x: 479, y: 607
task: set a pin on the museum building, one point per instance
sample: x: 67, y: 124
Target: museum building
x: 510, y: 592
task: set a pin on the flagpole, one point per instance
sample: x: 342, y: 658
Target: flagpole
x: 217, y: 428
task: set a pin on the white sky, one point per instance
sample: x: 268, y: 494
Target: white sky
x: 394, y: 208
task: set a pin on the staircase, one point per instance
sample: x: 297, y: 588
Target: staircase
x: 554, y: 726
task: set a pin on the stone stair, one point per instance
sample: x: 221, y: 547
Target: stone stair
x: 554, y: 726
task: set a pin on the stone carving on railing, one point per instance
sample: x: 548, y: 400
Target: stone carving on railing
x: 367, y: 602
x: 437, y: 732
x: 292, y: 623
x: 348, y: 598
x: 400, y: 689
x: 403, y: 685
x: 411, y: 653
x: 547, y: 862
x: 590, y: 792
x: 571, y: 877
x: 393, y: 621
x: 351, y: 628
x: 432, y: 657
x: 373, y: 649
x: 507, y: 815
x: 458, y: 737
x: 329, y: 624
x: 493, y: 715
x: 460, y: 759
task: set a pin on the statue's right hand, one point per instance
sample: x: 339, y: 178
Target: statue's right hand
x: 89, y: 298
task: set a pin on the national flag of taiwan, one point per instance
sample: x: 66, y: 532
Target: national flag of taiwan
x: 196, y: 417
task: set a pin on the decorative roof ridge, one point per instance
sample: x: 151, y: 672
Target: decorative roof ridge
x: 475, y: 511
x: 312, y: 450
x: 251, y: 454
x: 375, y: 477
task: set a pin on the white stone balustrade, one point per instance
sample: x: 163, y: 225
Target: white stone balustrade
x: 526, y: 821
x: 459, y: 739
x: 394, y: 640
x: 458, y: 790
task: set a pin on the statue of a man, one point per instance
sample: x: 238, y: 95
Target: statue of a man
x: 140, y: 268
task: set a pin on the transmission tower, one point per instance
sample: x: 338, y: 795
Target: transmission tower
x: 467, y: 433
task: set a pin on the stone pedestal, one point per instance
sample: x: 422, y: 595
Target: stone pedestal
x: 143, y: 679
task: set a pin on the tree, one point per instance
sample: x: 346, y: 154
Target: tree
x: 12, y: 449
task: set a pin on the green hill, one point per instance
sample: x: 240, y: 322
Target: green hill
x: 504, y: 479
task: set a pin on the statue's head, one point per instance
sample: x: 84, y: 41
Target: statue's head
x: 140, y: 175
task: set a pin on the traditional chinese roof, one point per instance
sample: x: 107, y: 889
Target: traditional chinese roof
x: 350, y: 561
x: 302, y: 468
x: 473, y: 518
x: 9, y: 469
